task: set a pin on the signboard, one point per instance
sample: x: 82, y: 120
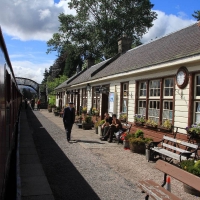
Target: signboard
x: 112, y: 102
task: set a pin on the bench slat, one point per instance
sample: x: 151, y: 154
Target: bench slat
x: 181, y: 142
x: 168, y: 153
x: 179, y: 174
x: 177, y: 149
x: 156, y: 191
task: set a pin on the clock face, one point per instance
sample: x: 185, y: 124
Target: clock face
x: 180, y: 78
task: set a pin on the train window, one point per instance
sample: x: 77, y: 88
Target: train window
x: 8, y: 86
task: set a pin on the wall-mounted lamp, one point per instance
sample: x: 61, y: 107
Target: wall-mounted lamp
x: 88, y: 87
x: 103, y: 90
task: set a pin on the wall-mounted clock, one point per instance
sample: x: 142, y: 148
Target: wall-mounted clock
x: 182, y: 77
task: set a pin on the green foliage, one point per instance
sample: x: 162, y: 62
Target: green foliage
x: 167, y: 124
x: 102, y: 122
x: 52, y: 84
x: 138, y: 138
x: 128, y: 136
x: 139, y: 134
x: 191, y: 166
x: 99, y: 24
x: 87, y: 120
x: 139, y: 118
x: 196, y: 15
x: 151, y: 122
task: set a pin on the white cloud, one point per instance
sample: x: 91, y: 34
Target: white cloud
x: 27, y: 69
x: 31, y: 20
x: 165, y: 24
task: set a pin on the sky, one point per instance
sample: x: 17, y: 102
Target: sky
x: 28, y: 24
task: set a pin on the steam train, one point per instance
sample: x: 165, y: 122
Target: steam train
x: 10, y: 104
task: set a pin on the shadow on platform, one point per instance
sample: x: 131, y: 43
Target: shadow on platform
x: 64, y: 179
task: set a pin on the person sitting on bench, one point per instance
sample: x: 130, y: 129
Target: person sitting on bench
x: 114, y: 127
x: 105, y: 126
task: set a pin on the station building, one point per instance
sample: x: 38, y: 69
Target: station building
x: 159, y: 80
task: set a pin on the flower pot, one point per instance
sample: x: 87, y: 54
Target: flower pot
x: 137, y: 148
x: 139, y: 123
x: 99, y: 131
x: 126, y: 144
x: 86, y: 126
x: 151, y: 127
x: 163, y: 129
x: 96, y: 130
x: 50, y: 109
x: 190, y: 190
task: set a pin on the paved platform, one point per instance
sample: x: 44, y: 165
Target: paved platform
x: 32, y: 182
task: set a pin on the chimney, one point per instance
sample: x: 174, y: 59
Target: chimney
x: 78, y: 68
x: 90, y: 62
x: 124, y: 44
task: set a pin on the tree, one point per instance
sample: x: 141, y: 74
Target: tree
x: 196, y: 15
x: 99, y: 24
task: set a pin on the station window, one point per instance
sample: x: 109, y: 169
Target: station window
x: 197, y: 99
x: 124, y: 105
x: 152, y: 102
x: 84, y: 97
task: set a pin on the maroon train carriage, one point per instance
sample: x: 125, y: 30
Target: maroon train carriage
x: 10, y: 102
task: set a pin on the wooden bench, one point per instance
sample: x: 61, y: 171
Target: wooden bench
x: 157, y: 191
x: 125, y: 129
x: 171, y: 148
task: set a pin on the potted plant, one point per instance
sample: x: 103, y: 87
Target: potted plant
x: 87, y: 123
x: 166, y: 126
x: 138, y: 142
x: 49, y: 108
x: 95, y: 111
x: 193, y: 131
x: 123, y: 117
x: 192, y: 167
x: 126, y: 140
x: 84, y: 110
x: 99, y: 127
x: 150, y: 123
x: 139, y: 120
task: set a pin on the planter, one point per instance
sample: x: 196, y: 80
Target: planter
x: 50, y: 109
x: 96, y: 130
x: 190, y: 190
x: 192, y: 135
x: 139, y: 123
x: 86, y: 126
x: 138, y: 148
x: 152, y: 127
x: 99, y: 131
x: 126, y: 144
x: 56, y: 113
x: 165, y: 130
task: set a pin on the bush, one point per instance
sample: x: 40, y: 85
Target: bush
x: 191, y: 166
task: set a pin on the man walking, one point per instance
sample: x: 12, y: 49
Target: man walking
x: 68, y: 119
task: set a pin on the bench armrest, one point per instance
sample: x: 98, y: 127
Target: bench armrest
x: 153, y: 144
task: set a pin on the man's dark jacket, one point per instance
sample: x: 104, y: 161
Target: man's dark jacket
x: 68, y: 116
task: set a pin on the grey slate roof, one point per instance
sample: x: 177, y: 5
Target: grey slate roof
x: 86, y: 75
x: 177, y: 45
x: 180, y: 44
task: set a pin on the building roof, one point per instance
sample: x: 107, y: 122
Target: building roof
x: 177, y: 45
x: 86, y: 75
x: 180, y: 44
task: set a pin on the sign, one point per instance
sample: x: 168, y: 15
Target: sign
x: 112, y: 100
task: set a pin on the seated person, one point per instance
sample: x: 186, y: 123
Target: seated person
x: 114, y: 127
x: 105, y: 126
